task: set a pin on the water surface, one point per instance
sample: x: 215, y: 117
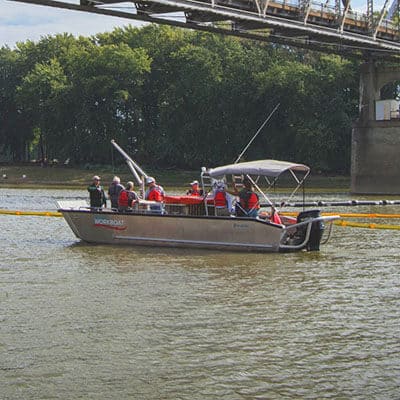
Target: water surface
x: 82, y: 321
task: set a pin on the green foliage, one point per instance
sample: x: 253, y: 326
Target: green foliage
x: 174, y: 98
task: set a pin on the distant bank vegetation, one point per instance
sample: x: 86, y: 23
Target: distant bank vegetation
x: 174, y: 98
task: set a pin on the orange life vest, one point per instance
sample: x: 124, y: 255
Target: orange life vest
x: 249, y: 200
x: 220, y: 199
x: 155, y: 194
x: 123, y: 198
x: 195, y: 192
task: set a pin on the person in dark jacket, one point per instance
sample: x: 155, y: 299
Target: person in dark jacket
x: 97, y: 196
x: 114, y: 191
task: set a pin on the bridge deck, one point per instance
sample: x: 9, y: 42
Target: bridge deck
x: 319, y: 27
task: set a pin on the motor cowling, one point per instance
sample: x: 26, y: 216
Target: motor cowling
x: 317, y: 229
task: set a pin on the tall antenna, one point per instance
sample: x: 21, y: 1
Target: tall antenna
x: 259, y: 130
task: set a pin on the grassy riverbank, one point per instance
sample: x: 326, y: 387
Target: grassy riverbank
x: 26, y: 176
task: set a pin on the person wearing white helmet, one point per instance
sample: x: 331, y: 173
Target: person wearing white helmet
x: 154, y: 192
x: 98, y: 198
x: 194, y: 189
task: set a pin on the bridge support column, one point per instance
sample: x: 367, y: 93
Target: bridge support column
x: 375, y: 160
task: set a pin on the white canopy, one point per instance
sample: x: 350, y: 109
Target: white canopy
x: 271, y: 168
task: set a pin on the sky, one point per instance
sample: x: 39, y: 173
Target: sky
x: 21, y: 21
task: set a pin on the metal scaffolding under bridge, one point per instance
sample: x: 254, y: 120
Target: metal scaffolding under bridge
x: 332, y: 26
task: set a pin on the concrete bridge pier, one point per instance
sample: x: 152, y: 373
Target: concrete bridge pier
x: 375, y: 148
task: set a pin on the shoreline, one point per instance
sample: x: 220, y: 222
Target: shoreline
x: 59, y: 177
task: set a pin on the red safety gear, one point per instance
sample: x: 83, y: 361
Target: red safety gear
x: 195, y: 192
x: 155, y: 194
x: 220, y: 199
x: 249, y: 200
x: 123, y: 198
x: 126, y: 198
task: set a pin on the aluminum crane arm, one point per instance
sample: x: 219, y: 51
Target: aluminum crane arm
x: 135, y: 169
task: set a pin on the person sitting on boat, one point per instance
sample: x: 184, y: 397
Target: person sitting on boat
x: 248, y: 204
x: 154, y: 192
x: 98, y: 198
x: 194, y: 189
x: 114, y: 190
x: 127, y: 197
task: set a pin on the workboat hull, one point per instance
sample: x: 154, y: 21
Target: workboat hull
x: 191, y: 231
x: 206, y: 232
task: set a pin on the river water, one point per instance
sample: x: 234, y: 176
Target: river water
x: 82, y: 321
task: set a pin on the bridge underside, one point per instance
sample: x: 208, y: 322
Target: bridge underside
x: 263, y: 20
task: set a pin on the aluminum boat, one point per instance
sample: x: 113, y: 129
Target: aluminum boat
x: 193, y: 222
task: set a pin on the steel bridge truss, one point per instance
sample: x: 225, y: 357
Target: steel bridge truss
x: 298, y: 23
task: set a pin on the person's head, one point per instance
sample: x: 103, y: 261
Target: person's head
x: 129, y: 185
x: 116, y: 179
x: 194, y: 184
x: 247, y: 183
x: 220, y: 185
x: 150, y: 181
x: 96, y: 180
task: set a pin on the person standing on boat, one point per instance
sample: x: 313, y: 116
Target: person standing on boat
x: 154, y: 192
x: 127, y: 197
x: 114, y: 190
x: 98, y: 198
x: 249, y: 203
x: 194, y: 189
x: 221, y: 199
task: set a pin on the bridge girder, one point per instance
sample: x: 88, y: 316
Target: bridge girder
x: 253, y: 22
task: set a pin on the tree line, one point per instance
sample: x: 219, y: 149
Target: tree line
x: 174, y: 98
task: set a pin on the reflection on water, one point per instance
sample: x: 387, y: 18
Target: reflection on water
x: 83, y: 321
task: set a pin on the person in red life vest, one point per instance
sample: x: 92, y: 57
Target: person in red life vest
x: 194, y: 189
x: 249, y: 204
x: 221, y: 199
x: 154, y: 192
x: 127, y: 198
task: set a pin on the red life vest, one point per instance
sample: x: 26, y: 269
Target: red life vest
x: 195, y: 192
x: 155, y: 194
x: 220, y: 199
x: 123, y: 199
x: 249, y: 200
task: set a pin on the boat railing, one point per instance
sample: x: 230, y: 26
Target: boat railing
x: 293, y: 228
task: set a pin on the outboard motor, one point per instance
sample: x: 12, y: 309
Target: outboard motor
x: 317, y: 229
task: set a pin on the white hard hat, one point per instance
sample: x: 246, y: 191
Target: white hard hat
x: 150, y: 179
